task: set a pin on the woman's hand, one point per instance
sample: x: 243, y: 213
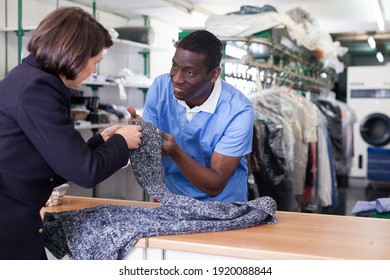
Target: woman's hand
x: 132, y: 135
x: 109, y: 131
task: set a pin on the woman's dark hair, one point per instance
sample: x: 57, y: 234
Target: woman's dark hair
x: 204, y: 42
x: 66, y: 39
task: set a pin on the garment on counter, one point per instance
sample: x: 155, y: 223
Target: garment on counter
x: 108, y: 232
x: 223, y: 124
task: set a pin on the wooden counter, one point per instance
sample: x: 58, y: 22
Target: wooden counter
x: 295, y: 236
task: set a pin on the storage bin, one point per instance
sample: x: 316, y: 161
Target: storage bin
x: 378, y: 164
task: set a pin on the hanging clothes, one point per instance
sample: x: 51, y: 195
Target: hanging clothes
x: 295, y: 123
x: 326, y: 176
x: 268, y: 163
x: 340, y: 120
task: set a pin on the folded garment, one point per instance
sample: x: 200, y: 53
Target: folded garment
x: 381, y: 205
x: 108, y: 232
x: 363, y: 206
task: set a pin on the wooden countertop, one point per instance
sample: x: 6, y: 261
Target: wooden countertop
x: 295, y: 236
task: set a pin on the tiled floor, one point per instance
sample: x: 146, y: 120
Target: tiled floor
x: 358, y: 189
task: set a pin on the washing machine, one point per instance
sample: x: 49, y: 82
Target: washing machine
x: 368, y: 95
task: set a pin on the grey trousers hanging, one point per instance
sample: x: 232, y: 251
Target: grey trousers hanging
x: 108, y: 232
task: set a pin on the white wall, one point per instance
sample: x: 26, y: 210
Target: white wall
x: 32, y: 12
x: 161, y: 55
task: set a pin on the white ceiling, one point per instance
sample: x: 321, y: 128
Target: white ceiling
x: 333, y: 16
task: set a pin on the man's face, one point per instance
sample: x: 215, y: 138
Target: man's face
x: 190, y: 78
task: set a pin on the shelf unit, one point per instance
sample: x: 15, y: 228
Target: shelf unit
x: 112, y: 84
x: 20, y: 32
x: 132, y: 43
x: 15, y: 29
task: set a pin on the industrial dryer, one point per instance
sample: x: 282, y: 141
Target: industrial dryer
x: 368, y: 95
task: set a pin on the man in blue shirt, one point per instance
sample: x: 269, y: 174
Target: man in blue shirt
x: 206, y: 123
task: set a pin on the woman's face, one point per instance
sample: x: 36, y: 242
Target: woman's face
x: 85, y: 73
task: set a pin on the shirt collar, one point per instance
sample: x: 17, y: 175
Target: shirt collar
x: 208, y: 106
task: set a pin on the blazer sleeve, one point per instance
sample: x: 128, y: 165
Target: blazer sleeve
x: 44, y: 117
x: 95, y: 141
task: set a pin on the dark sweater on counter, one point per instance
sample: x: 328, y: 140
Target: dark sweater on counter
x: 108, y: 232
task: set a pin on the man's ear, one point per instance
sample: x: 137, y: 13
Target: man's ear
x: 215, y: 74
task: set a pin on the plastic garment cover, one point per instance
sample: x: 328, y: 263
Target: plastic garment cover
x: 241, y: 25
x: 333, y: 115
x: 268, y: 163
x: 309, y: 198
x: 317, y: 39
x: 300, y: 26
x: 326, y: 175
x: 296, y: 119
x: 340, y: 119
x: 250, y: 10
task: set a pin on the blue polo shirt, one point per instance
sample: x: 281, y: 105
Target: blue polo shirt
x: 224, y: 124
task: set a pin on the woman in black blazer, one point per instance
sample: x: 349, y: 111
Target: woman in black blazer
x: 39, y: 146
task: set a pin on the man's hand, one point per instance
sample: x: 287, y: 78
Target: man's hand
x: 169, y: 145
x: 133, y: 114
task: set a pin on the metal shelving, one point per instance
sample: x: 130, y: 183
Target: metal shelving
x: 280, y: 64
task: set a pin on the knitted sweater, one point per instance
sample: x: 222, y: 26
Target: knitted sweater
x: 108, y: 232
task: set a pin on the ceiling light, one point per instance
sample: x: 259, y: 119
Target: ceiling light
x: 380, y: 57
x: 378, y: 14
x: 371, y: 42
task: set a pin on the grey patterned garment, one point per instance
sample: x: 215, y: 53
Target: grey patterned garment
x: 108, y: 232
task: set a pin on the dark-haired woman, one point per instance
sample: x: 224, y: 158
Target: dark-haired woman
x: 39, y: 146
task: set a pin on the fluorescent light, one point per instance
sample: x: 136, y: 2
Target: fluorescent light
x: 380, y: 57
x: 378, y: 14
x: 371, y: 42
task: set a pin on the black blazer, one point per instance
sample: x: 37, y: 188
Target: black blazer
x: 39, y: 150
